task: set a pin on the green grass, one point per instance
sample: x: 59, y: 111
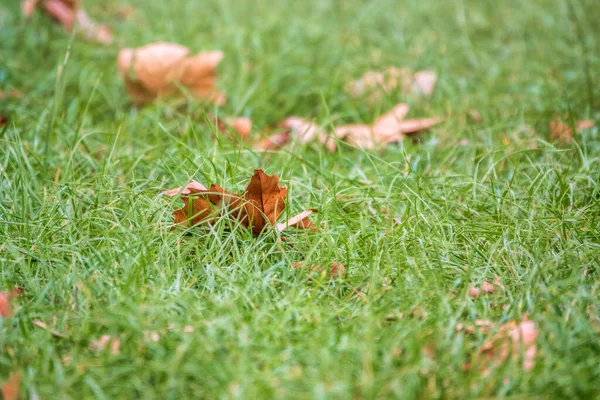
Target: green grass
x: 85, y: 232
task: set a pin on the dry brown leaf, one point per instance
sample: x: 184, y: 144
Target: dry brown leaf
x: 424, y: 82
x: 5, y: 310
x: 273, y: 142
x: 122, y: 12
x: 393, y: 79
x: 242, y: 125
x: 5, y: 300
x: 484, y: 326
x: 70, y: 13
x: 101, y: 343
x: 159, y: 69
x: 562, y: 131
x: 305, y: 132
x: 486, y: 288
x: 265, y: 200
x: 260, y: 205
x: 511, y: 338
x: 389, y: 128
x: 3, y: 121
x: 10, y: 389
x: 192, y: 187
x: 357, y: 135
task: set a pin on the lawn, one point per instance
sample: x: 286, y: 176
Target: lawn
x: 216, y: 312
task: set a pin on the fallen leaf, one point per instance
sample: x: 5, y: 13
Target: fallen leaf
x: 192, y: 187
x: 357, y: 135
x: 484, y: 326
x: 151, y: 336
x: 393, y: 79
x: 474, y: 114
x: 260, y: 205
x: 123, y: 12
x: 70, y: 13
x: 242, y: 125
x: 5, y: 300
x: 298, y: 221
x: 160, y: 69
x: 562, y: 131
x: 424, y: 82
x: 486, y: 288
x: 512, y: 337
x: 265, y: 200
x: 43, y: 325
x: 10, y: 389
x: 101, y: 343
x: 28, y: 7
x: 3, y: 121
x: 273, y: 142
x: 391, y: 127
x: 305, y: 132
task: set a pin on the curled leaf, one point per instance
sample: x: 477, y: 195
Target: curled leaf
x: 160, y: 69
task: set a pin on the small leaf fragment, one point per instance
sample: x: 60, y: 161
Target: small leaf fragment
x: 10, y: 389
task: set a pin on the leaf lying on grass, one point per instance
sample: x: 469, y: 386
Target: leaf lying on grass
x: 161, y: 69
x: 511, y: 339
x: 389, y: 128
x: 273, y: 142
x: 70, y: 13
x: 5, y: 302
x: 10, y: 389
x: 486, y: 288
x: 101, y: 343
x: 260, y: 205
x: 562, y: 131
x: 393, y: 79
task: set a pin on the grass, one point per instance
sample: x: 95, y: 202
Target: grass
x: 86, y: 234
